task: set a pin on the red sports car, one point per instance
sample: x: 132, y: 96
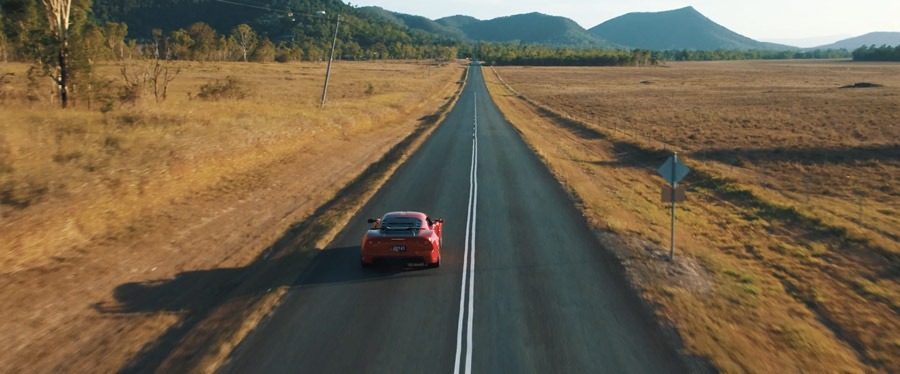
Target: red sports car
x: 405, y: 236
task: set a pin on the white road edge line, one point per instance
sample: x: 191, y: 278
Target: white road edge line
x: 470, y: 240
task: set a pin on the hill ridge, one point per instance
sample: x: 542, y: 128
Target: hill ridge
x: 682, y: 28
x: 877, y: 38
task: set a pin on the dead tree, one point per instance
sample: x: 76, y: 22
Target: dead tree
x: 160, y: 79
x: 156, y: 75
x: 58, y: 17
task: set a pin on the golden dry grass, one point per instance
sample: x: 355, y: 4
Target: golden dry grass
x: 785, y: 125
x: 767, y: 281
x: 123, y: 231
x: 81, y: 173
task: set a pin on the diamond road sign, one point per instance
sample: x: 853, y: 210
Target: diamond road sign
x: 673, y: 171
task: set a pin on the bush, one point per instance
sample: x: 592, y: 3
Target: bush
x: 230, y: 88
x: 264, y: 52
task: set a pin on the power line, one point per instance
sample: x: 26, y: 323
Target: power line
x: 289, y: 12
x: 254, y: 6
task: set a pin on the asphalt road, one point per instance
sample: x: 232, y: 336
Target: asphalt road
x: 524, y: 287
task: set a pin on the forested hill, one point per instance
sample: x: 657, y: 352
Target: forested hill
x: 294, y: 21
x: 458, y: 21
x: 142, y: 16
x: 415, y: 23
x: 531, y: 28
x: 684, y: 28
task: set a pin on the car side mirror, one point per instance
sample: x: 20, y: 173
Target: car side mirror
x: 371, y: 220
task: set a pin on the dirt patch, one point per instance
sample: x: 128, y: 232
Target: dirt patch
x: 649, y: 263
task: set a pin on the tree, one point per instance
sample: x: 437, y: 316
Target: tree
x: 873, y: 53
x: 4, y: 46
x: 245, y: 39
x: 179, y: 45
x: 351, y: 49
x: 379, y: 50
x: 58, y: 12
x: 312, y: 52
x: 115, y: 33
x: 22, y: 27
x: 224, y: 48
x: 204, y: 38
x: 265, y: 52
x: 94, y: 43
x: 158, y: 42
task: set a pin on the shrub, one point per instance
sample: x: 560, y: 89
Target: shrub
x: 230, y: 88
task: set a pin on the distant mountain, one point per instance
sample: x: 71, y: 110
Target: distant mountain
x: 415, y: 22
x: 807, y: 42
x: 876, y: 38
x: 683, y: 28
x: 531, y: 28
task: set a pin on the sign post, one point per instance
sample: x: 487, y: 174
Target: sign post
x: 673, y: 171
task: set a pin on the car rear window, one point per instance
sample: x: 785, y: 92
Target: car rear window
x: 401, y: 223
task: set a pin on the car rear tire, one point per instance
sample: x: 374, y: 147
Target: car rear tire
x: 436, y: 264
x: 365, y: 265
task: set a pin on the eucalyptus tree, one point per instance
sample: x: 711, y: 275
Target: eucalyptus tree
x: 245, y: 38
x: 58, y: 12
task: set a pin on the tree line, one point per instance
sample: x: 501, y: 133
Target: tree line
x: 873, y: 53
x: 200, y: 42
x: 537, y: 55
x: 727, y: 54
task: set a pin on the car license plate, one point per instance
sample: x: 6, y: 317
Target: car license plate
x: 399, y: 248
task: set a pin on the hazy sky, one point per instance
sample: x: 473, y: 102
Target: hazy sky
x: 809, y: 22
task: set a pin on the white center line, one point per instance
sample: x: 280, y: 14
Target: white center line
x: 472, y: 264
x: 469, y: 267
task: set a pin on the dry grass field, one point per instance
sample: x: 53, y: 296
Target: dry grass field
x: 788, y: 252
x: 129, y: 229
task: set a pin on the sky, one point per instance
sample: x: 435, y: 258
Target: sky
x: 803, y: 23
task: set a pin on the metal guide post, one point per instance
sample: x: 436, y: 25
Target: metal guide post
x: 673, y: 171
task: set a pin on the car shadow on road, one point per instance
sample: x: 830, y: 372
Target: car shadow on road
x: 179, y: 294
x: 205, y: 295
x: 204, y: 300
x: 341, y: 265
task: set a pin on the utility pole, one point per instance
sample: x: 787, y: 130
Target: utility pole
x: 290, y: 13
x: 337, y: 23
x: 674, y: 199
